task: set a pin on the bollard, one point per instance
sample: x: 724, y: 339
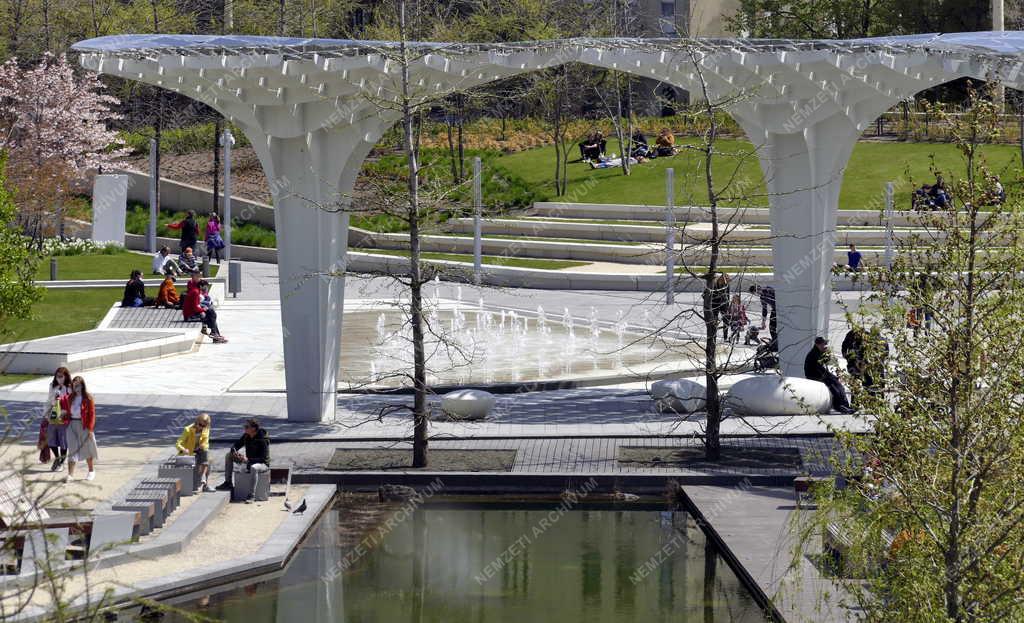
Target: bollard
x: 53, y: 269
x: 206, y: 267
x: 234, y: 278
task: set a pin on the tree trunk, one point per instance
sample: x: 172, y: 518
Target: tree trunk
x: 46, y: 24
x: 462, y: 142
x: 280, y: 19
x: 624, y: 141
x: 419, y: 444
x: 451, y: 147
x: 712, y: 443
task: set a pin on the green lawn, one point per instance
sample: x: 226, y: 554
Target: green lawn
x: 99, y: 266
x: 872, y: 164
x: 545, y: 239
x: 63, y: 311
x: 496, y: 260
x: 11, y: 379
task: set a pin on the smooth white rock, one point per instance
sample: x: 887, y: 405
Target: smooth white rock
x: 467, y: 404
x: 771, y: 394
x: 678, y: 396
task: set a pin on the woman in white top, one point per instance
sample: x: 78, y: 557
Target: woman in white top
x: 54, y: 417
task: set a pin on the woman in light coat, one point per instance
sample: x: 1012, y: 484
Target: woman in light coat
x: 53, y: 429
x: 81, y: 429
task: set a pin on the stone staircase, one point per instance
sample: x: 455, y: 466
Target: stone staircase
x: 630, y: 239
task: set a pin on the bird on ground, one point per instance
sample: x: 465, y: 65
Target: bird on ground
x: 287, y: 505
x: 301, y: 508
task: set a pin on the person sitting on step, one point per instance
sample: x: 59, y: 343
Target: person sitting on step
x: 256, y: 443
x: 135, y: 291
x: 193, y: 311
x: 168, y: 295
x: 195, y: 441
x: 188, y: 260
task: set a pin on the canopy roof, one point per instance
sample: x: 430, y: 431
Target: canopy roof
x: 994, y: 44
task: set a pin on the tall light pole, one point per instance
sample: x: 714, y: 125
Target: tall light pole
x: 998, y: 25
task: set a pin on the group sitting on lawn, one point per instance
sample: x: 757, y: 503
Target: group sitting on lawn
x: 197, y: 305
x: 592, y: 149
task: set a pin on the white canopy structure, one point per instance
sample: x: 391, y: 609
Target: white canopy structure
x: 313, y: 109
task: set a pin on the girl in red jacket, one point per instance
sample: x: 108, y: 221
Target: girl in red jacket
x: 81, y: 429
x: 193, y: 311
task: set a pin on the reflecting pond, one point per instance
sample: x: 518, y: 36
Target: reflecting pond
x: 490, y: 564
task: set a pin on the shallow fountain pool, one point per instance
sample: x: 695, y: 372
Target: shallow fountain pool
x: 481, y: 345
x: 489, y: 564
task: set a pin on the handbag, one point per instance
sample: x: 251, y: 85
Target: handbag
x: 57, y: 413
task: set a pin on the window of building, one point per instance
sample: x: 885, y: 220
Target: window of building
x: 668, y: 17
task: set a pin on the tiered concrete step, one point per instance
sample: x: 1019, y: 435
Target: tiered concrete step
x: 619, y: 239
x: 86, y: 350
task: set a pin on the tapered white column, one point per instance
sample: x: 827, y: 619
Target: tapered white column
x: 804, y: 172
x: 311, y: 177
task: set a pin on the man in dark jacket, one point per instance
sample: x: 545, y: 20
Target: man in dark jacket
x: 256, y: 457
x: 816, y: 370
x: 189, y: 231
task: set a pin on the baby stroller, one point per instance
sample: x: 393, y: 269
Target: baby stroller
x: 767, y: 355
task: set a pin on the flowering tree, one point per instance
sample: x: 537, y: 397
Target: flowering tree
x: 52, y: 126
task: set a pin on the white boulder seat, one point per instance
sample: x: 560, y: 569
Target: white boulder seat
x: 467, y: 404
x: 678, y: 396
x: 313, y: 109
x: 772, y: 394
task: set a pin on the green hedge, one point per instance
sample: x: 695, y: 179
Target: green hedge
x: 187, y: 140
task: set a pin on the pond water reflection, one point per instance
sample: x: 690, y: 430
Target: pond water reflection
x: 490, y: 565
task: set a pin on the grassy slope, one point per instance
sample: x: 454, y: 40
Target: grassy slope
x: 11, y: 379
x: 115, y: 266
x: 497, y: 260
x: 871, y: 165
x: 63, y: 311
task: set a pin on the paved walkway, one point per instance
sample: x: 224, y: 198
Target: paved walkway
x: 756, y: 525
x: 587, y: 455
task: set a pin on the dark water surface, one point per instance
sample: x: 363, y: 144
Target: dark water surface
x: 496, y: 565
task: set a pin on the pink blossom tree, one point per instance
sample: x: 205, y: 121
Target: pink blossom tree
x: 53, y: 126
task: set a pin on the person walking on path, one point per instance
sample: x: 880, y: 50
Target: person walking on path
x: 256, y: 443
x: 81, y: 429
x: 767, y: 296
x: 720, y: 303
x: 189, y: 231
x: 737, y: 318
x: 214, y: 242
x: 195, y: 441
x: 816, y: 370
x: 53, y: 429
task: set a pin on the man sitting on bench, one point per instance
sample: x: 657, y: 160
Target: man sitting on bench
x: 257, y: 457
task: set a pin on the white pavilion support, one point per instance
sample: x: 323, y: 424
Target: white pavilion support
x: 312, y: 176
x: 803, y: 171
